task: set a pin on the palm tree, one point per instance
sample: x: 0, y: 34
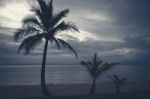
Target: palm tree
x: 117, y: 81
x: 96, y: 67
x: 43, y: 24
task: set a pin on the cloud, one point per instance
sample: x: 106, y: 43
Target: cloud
x: 117, y: 29
x: 11, y: 16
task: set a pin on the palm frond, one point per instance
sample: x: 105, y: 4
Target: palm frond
x: 110, y: 65
x: 87, y: 65
x: 96, y: 63
x: 32, y: 21
x: 93, y: 68
x: 65, y: 44
x: 38, y: 13
x: 107, y: 66
x: 100, y: 69
x: 57, y: 17
x: 50, y: 8
x: 90, y: 64
x: 30, y: 43
x: 42, y: 4
x: 55, y: 40
x: 116, y: 78
x: 20, y: 33
x: 97, y: 68
x: 84, y: 63
x: 99, y: 62
x: 90, y: 68
x: 63, y: 26
x: 118, y: 81
x: 111, y: 77
x: 95, y: 59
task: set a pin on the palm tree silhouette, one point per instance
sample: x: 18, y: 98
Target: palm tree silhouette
x: 117, y: 81
x: 43, y: 24
x: 96, y: 67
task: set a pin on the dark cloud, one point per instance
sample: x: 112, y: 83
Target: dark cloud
x: 123, y: 25
x: 126, y: 17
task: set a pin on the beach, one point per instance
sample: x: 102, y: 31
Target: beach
x: 23, y: 91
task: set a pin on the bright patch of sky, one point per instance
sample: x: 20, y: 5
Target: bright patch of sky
x: 14, y: 14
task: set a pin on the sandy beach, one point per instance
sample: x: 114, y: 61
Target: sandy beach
x: 19, y: 92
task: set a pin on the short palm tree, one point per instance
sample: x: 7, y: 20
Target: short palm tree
x: 117, y: 81
x: 96, y: 67
x: 43, y: 24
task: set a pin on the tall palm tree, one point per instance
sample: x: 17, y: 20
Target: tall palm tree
x: 117, y: 81
x: 96, y: 67
x: 43, y: 24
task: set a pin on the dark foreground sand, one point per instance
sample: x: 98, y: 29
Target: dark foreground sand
x: 15, y: 92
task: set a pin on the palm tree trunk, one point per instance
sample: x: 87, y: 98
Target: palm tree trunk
x: 117, y: 89
x: 44, y: 88
x: 92, y: 91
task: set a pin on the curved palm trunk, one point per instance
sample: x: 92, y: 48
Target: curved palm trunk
x: 92, y: 91
x: 44, y: 89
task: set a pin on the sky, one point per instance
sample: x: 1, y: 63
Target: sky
x: 118, y: 30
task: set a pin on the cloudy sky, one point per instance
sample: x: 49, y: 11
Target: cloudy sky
x: 118, y: 30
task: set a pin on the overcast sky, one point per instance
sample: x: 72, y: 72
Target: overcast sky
x: 118, y: 30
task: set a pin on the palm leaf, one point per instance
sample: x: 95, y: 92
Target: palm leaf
x: 101, y: 69
x: 90, y: 64
x: 20, y: 33
x: 93, y: 69
x: 117, y: 80
x: 32, y: 21
x: 42, y: 4
x: 87, y: 65
x: 56, y: 41
x: 96, y: 66
x: 99, y: 63
x: 65, y: 44
x: 109, y: 66
x: 95, y: 59
x: 63, y: 26
x: 30, y: 43
x: 50, y: 8
x: 111, y: 77
x: 38, y: 13
x: 44, y: 12
x: 116, y: 77
x: 57, y: 17
x: 105, y: 67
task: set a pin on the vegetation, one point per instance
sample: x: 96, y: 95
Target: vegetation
x: 43, y: 24
x: 117, y: 81
x: 96, y: 67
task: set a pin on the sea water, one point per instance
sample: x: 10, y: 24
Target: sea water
x: 67, y: 74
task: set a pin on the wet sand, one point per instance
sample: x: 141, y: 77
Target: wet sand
x: 15, y: 92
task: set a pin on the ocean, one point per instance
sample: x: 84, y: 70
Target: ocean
x: 67, y: 74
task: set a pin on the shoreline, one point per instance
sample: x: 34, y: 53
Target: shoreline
x: 22, y: 91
